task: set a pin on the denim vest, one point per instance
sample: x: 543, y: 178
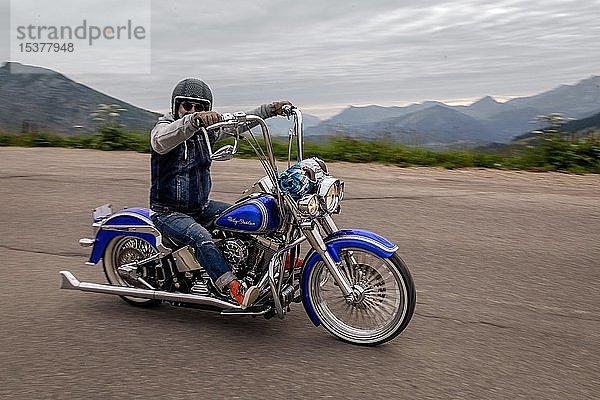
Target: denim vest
x: 181, y: 178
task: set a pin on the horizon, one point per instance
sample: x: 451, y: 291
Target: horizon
x: 326, y: 111
x: 324, y: 56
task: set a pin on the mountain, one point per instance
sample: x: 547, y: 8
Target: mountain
x: 434, y: 126
x: 592, y: 122
x: 485, y: 121
x: 482, y: 108
x: 360, y: 116
x: 575, y: 101
x: 35, y: 98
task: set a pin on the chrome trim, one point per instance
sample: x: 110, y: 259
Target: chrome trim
x: 86, y: 242
x: 304, y: 204
x: 130, y: 214
x: 324, y: 187
x: 185, y: 259
x: 263, y: 210
x: 131, y: 228
x: 364, y: 239
x: 275, y: 289
x: 264, y: 185
x: 268, y: 243
x: 243, y: 312
x: 316, y: 241
x: 325, y: 184
x: 329, y: 224
x: 70, y: 282
x: 96, y: 227
x: 299, y: 133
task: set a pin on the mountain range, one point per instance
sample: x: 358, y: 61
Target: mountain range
x: 35, y: 98
x: 435, y: 124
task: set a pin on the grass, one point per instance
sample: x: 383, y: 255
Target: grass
x: 550, y: 153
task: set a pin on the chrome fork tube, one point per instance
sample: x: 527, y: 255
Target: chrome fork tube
x: 316, y: 241
x: 329, y: 225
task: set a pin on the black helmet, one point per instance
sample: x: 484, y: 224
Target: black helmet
x: 190, y: 89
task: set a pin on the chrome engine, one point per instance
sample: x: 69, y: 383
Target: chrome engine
x: 235, y: 252
x: 247, y: 258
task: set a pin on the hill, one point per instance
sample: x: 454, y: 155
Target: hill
x: 37, y: 99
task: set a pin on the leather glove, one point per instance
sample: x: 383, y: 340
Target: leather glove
x: 277, y: 106
x: 206, y: 118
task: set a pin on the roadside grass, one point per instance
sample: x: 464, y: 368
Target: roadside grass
x: 551, y: 153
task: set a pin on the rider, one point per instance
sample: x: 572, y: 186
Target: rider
x: 181, y: 180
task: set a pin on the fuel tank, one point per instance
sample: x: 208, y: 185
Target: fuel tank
x: 257, y: 213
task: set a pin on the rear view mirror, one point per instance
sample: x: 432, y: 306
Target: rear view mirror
x: 224, y: 153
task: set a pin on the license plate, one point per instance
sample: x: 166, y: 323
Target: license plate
x: 101, y: 212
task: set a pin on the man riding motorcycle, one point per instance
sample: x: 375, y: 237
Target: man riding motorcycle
x: 181, y: 182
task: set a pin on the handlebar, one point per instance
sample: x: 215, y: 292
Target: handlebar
x: 240, y: 118
x: 232, y: 122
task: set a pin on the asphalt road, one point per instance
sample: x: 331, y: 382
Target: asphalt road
x: 506, y: 265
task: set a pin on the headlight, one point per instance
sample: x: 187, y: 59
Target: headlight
x: 309, y: 204
x: 331, y: 193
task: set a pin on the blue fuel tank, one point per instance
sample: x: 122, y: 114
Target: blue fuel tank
x: 255, y: 214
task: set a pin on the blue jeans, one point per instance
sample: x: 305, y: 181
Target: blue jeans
x: 189, y: 230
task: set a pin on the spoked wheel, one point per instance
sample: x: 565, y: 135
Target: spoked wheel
x: 383, y: 301
x: 123, y: 250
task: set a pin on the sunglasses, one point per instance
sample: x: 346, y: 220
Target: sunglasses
x: 188, y: 105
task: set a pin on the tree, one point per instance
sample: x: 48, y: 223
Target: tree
x: 112, y: 134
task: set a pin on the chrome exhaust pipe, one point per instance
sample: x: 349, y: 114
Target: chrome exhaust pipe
x: 68, y: 281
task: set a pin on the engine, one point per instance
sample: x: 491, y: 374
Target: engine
x: 247, y: 258
x: 235, y: 252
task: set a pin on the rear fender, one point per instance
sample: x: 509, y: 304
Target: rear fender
x: 357, y: 238
x: 127, y: 222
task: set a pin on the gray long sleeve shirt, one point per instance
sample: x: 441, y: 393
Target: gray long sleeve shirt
x: 169, y: 133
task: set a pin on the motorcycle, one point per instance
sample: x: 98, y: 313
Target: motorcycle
x: 351, y: 281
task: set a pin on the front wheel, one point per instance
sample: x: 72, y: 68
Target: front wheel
x: 384, y: 297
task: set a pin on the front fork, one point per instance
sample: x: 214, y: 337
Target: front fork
x: 314, y: 237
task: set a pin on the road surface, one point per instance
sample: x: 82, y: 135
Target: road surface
x: 506, y: 264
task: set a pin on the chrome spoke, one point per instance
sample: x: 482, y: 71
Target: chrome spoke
x: 380, y: 302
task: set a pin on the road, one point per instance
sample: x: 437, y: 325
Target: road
x: 506, y: 265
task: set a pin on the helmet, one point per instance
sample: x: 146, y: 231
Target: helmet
x: 190, y: 89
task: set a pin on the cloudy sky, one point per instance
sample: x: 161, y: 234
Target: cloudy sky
x: 326, y: 55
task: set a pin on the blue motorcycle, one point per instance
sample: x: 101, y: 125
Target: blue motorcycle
x: 351, y: 281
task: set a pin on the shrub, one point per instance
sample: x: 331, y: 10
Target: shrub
x: 553, y: 153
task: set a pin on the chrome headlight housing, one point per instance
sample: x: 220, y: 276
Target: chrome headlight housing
x: 309, y: 204
x: 331, y: 192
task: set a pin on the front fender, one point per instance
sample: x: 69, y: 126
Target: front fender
x: 357, y: 238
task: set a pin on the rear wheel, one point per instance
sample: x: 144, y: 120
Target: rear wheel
x: 123, y: 250
x: 384, y: 297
